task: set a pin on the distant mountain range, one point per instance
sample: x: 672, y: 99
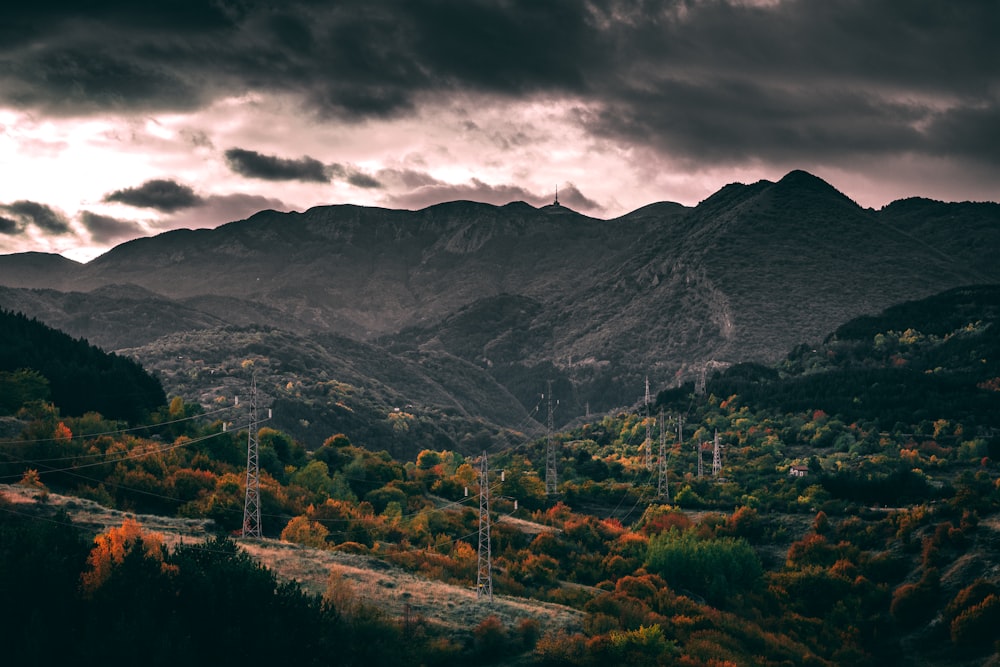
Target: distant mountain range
x: 485, y: 304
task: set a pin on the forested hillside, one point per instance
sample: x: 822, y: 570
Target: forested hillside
x: 793, y: 514
x: 38, y: 363
x: 914, y: 363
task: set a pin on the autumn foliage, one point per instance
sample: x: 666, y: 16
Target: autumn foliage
x: 113, y: 547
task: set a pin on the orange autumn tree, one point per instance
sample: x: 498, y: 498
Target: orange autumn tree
x: 111, y: 548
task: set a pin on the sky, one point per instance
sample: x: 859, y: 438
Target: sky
x: 125, y: 119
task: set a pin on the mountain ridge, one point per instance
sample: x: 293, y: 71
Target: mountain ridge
x: 747, y: 274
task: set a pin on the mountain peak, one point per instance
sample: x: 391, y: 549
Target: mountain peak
x: 802, y: 184
x: 36, y: 269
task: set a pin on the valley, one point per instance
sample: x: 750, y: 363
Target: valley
x: 832, y: 501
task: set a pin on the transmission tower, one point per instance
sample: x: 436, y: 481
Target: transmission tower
x: 550, y: 452
x: 484, y: 580
x: 716, y: 456
x: 251, y: 505
x: 649, y: 432
x: 663, y: 488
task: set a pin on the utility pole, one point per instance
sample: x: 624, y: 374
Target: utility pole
x: 663, y: 488
x: 484, y: 580
x: 251, y: 504
x: 649, y: 432
x: 550, y: 452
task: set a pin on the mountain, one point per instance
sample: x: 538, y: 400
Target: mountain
x: 510, y: 297
x: 37, y: 269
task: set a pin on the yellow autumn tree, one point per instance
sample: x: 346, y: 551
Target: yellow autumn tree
x: 303, y: 531
x: 111, y: 548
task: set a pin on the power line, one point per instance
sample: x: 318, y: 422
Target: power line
x: 82, y: 436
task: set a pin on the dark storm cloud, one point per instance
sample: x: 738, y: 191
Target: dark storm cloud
x: 406, y: 178
x: 104, y: 229
x: 221, y: 208
x: 273, y: 168
x: 42, y: 216
x: 354, y: 176
x: 832, y: 80
x: 476, y: 190
x: 722, y: 80
x: 9, y: 227
x: 570, y: 195
x: 160, y: 194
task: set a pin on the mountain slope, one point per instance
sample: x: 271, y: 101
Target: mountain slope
x: 528, y: 295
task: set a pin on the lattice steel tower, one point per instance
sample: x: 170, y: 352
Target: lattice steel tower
x: 649, y: 432
x: 251, y: 504
x: 717, y: 456
x: 484, y: 580
x: 663, y: 488
x: 550, y: 451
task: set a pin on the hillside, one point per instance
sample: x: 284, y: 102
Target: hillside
x: 917, y: 361
x: 394, y: 591
x: 772, y: 525
x: 41, y: 364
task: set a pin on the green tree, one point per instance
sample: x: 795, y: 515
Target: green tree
x: 20, y: 387
x: 714, y: 568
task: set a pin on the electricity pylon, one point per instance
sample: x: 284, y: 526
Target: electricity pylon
x: 251, y: 504
x: 717, y: 456
x: 484, y: 579
x: 649, y: 432
x: 663, y: 488
x: 551, y: 473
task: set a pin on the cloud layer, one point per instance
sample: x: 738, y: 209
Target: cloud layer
x: 411, y: 102
x: 705, y: 80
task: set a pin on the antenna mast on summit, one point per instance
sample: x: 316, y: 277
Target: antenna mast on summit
x: 550, y: 452
x: 251, y: 503
x: 556, y: 202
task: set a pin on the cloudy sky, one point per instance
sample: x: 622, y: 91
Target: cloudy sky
x: 122, y: 118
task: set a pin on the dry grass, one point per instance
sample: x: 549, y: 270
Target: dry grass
x: 394, y: 592
x: 93, y: 518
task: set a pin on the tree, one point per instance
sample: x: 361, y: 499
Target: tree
x: 315, y: 477
x: 20, y: 387
x: 113, y: 547
x: 303, y: 531
x: 715, y: 568
x: 491, y: 638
